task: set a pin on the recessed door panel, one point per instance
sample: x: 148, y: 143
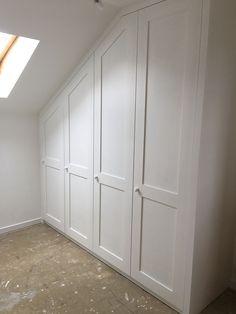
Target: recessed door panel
x: 53, y: 189
x: 165, y: 77
x: 112, y: 225
x: 53, y: 136
x: 159, y: 223
x: 114, y: 109
x: 79, y: 156
x: 115, y: 70
x: 80, y: 122
x: 80, y: 206
x: 53, y: 165
x: 168, y: 50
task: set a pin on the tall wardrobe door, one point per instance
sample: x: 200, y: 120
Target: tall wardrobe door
x: 169, y: 35
x: 79, y: 156
x: 115, y: 70
x: 53, y: 166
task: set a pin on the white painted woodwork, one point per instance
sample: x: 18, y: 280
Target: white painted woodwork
x: 166, y: 82
x: 157, y: 138
x: 79, y: 97
x: 216, y: 195
x: 115, y: 73
x: 53, y: 166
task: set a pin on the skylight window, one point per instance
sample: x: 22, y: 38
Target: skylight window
x: 6, y: 41
x: 15, y: 53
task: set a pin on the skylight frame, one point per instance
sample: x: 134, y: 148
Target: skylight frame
x: 8, y: 41
x: 14, y: 60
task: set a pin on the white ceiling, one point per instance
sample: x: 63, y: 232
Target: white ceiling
x: 66, y: 30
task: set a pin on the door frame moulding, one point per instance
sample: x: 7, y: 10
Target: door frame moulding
x: 139, y: 6
x: 199, y: 101
x: 42, y: 160
x: 116, y: 177
x: 86, y: 72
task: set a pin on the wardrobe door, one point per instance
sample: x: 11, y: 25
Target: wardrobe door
x: 79, y: 156
x: 169, y: 35
x: 115, y: 70
x: 53, y: 165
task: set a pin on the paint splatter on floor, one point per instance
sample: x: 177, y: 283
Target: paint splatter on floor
x: 43, y: 272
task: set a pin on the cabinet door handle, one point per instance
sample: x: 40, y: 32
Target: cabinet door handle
x: 137, y: 190
x: 96, y: 178
x: 66, y: 169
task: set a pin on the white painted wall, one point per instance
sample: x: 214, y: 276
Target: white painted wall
x: 19, y: 169
x: 213, y: 234
x: 230, y: 195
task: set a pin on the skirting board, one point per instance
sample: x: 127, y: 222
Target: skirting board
x: 20, y: 225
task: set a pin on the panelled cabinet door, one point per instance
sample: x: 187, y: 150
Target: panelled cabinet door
x: 168, y: 49
x: 53, y: 165
x: 79, y: 156
x: 115, y: 70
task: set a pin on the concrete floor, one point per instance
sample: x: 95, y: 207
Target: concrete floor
x: 43, y: 272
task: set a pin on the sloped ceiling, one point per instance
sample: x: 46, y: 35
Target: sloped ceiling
x: 66, y: 29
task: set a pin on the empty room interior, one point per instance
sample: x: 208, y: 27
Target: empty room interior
x: 118, y: 156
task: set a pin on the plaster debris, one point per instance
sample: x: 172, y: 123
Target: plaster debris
x: 73, y: 261
x: 7, y: 283
x: 20, y: 289
x: 126, y: 297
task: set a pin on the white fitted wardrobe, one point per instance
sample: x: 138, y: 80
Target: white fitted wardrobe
x: 121, y: 145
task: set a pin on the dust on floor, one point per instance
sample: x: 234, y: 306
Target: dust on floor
x: 41, y: 271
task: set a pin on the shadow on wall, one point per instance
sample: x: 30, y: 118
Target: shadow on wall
x: 231, y: 186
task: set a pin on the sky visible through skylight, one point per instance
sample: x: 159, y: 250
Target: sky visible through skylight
x: 15, y: 53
